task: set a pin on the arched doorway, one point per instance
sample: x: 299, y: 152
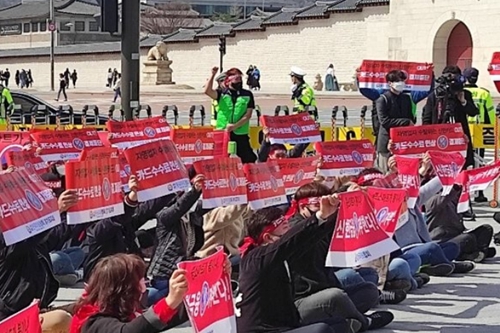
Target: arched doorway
x: 452, y: 46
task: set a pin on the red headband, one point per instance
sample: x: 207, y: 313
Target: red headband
x: 230, y: 79
x: 294, y: 207
x: 249, y: 243
x: 371, y: 176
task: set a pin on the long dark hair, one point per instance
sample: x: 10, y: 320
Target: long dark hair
x: 114, y: 286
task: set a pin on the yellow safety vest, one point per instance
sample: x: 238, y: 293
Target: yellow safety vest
x: 213, y: 111
x: 5, y: 96
x: 307, y: 98
x: 484, y: 102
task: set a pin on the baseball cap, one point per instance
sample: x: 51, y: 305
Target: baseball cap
x: 471, y: 73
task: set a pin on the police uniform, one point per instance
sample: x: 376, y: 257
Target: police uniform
x: 303, y: 94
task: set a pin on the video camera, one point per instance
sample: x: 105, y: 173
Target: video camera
x: 449, y: 84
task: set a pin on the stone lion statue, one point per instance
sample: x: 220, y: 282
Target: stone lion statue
x: 158, y: 52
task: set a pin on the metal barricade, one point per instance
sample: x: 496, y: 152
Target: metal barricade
x: 111, y: 112
x: 173, y: 109
x: 14, y: 116
x: 143, y: 107
x: 39, y: 115
x: 313, y: 111
x: 343, y: 108
x: 258, y: 112
x: 90, y: 115
x: 65, y: 116
x: 362, y: 120
x: 281, y: 108
x: 192, y: 110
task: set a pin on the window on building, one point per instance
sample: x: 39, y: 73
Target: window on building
x: 26, y: 27
x: 80, y: 26
x: 65, y: 26
x: 34, y: 27
x: 93, y: 26
x: 222, y: 9
x: 43, y: 26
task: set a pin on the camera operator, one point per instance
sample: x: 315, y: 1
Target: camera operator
x: 450, y: 103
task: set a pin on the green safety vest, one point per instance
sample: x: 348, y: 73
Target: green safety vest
x: 214, y: 110
x: 484, y: 102
x: 4, y: 96
x: 307, y: 98
x: 230, y: 113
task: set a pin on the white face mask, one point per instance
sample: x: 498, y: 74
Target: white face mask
x: 399, y: 86
x: 61, y: 169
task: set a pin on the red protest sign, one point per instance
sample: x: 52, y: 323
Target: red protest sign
x: 387, y: 204
x: 65, y: 145
x: 358, y: 238
x: 464, y: 200
x: 209, y: 299
x: 221, y: 139
x: 99, y: 153
x: 158, y: 168
x: 417, y: 140
x: 25, y: 321
x: 104, y: 136
x: 297, y: 172
x: 293, y: 129
x: 447, y: 166
x: 345, y: 158
x: 194, y: 144
x: 98, y: 184
x: 225, y: 183
x: 481, y: 178
x: 408, y: 177
x: 372, y: 74
x: 136, y: 132
x: 265, y: 186
x: 27, y: 206
x: 12, y: 141
x: 494, y: 70
x: 27, y: 159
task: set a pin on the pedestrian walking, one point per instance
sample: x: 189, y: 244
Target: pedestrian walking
x: 74, y: 78
x: 118, y: 87
x: 62, y: 88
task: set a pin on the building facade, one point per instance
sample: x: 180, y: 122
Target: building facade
x: 340, y: 32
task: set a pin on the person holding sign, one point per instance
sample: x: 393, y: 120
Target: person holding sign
x: 278, y: 151
x: 235, y: 111
x: 112, y: 299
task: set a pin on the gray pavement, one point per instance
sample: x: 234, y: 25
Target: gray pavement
x: 459, y: 304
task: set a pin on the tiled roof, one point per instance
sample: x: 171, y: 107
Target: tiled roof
x: 80, y: 8
x: 318, y: 10
x: 182, y: 36
x: 34, y: 9
x: 253, y: 23
x: 215, y: 30
x: 373, y: 2
x: 345, y: 5
x: 285, y: 16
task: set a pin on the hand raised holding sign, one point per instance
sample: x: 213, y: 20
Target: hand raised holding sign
x: 426, y: 165
x: 198, y: 181
x: 67, y: 199
x: 133, y: 185
x: 328, y: 206
x: 178, y: 288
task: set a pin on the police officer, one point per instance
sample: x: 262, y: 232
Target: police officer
x: 484, y: 102
x: 5, y: 102
x: 302, y: 93
x: 215, y: 105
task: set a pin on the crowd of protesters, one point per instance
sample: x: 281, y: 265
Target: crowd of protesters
x: 277, y: 254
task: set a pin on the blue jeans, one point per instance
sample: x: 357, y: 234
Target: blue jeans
x: 434, y: 254
x: 67, y: 261
x: 118, y: 92
x: 157, y: 291
x: 351, y: 277
x: 404, y: 268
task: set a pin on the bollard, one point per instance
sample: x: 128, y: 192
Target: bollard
x: 192, y: 110
x: 335, y: 110
x: 170, y: 108
x: 362, y: 121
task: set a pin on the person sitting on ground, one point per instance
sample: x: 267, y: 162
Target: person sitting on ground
x: 446, y: 225
x: 112, y: 299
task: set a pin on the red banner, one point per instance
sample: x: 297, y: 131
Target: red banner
x: 194, y: 144
x: 158, y: 168
x: 12, y: 141
x: 27, y: 159
x: 65, y: 145
x: 104, y: 136
x: 25, y: 321
x: 99, y: 153
x: 225, y: 183
x: 345, y: 158
x: 137, y: 132
x: 98, y: 184
x: 357, y: 238
x: 417, y: 140
x: 408, y: 177
x: 297, y: 172
x: 209, y: 299
x: 494, y: 70
x: 373, y: 72
x: 464, y: 200
x: 221, y: 139
x: 293, y: 129
x: 447, y: 167
x: 265, y: 186
x: 481, y: 178
x: 27, y: 206
x: 387, y: 204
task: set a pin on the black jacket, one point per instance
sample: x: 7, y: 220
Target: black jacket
x: 430, y: 116
x: 443, y: 221
x: 392, y: 111
x: 179, y: 235
x: 295, y: 152
x: 117, y: 234
x: 266, y: 282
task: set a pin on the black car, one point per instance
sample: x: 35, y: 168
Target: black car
x: 26, y: 106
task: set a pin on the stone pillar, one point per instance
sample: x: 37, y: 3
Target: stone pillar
x: 157, y: 72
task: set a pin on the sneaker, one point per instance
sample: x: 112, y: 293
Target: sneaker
x: 462, y: 267
x: 380, y: 319
x: 480, y: 199
x: 491, y: 252
x: 438, y: 270
x: 479, y: 257
x: 398, y: 285
x: 392, y: 297
x: 67, y: 280
x: 424, y: 277
x: 353, y: 326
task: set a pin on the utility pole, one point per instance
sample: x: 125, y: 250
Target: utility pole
x: 130, y: 57
x: 52, y: 25
x: 222, y: 51
x: 245, y: 9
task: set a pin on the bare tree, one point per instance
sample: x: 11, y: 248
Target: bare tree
x: 168, y: 18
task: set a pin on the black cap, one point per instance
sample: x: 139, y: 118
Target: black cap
x: 471, y: 73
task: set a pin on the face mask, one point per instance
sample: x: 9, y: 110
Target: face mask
x: 293, y: 87
x: 329, y: 183
x: 399, y: 86
x: 237, y: 85
x: 61, y: 170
